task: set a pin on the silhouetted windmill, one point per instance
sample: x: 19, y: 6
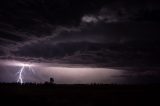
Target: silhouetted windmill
x: 51, y: 80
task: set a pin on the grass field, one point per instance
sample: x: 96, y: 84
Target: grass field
x: 79, y: 95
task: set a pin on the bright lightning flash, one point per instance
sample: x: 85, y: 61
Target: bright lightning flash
x: 20, y: 73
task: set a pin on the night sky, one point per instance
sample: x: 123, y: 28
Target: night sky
x: 80, y: 41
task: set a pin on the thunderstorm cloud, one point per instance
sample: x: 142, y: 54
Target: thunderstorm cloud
x: 121, y: 35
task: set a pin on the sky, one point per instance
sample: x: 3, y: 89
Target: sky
x: 80, y: 41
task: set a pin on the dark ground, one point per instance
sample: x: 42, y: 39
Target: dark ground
x: 79, y: 95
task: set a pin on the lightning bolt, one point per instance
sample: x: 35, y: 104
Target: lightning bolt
x: 31, y: 69
x: 20, y: 79
x: 20, y: 72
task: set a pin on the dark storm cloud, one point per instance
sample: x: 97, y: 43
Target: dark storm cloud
x: 139, y: 75
x: 24, y: 21
x: 125, y: 11
x: 94, y: 54
x: 123, y: 35
x: 101, y: 32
